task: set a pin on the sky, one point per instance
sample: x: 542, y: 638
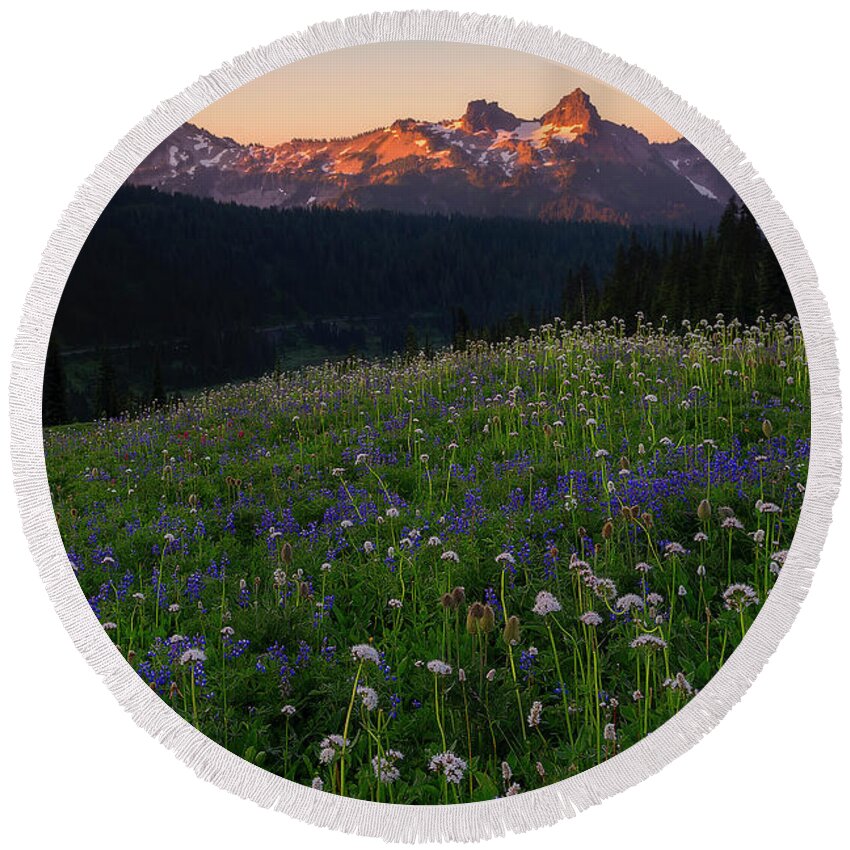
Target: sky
x: 349, y: 91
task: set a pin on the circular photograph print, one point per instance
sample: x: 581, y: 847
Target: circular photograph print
x: 426, y: 422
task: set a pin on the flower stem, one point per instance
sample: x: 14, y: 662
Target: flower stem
x: 563, y: 685
x: 345, y: 730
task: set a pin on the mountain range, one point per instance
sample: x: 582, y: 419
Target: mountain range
x: 568, y: 164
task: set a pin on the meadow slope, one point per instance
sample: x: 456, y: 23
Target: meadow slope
x: 454, y: 577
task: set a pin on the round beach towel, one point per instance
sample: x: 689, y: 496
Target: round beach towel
x: 419, y: 438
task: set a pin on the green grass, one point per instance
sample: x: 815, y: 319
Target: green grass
x: 444, y: 495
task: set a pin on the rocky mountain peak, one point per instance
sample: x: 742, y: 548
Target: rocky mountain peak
x: 569, y: 164
x: 574, y: 110
x: 487, y: 115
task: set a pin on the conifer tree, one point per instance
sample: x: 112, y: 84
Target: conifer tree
x: 54, y: 402
x: 106, y: 397
x: 158, y: 396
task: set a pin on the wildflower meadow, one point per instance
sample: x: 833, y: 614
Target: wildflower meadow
x: 448, y: 577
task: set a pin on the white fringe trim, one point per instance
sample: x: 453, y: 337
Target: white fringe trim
x: 469, y: 821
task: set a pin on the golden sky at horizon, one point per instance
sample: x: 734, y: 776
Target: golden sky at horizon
x: 349, y: 91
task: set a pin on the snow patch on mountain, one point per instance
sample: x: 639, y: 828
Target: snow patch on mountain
x: 567, y: 163
x: 707, y: 193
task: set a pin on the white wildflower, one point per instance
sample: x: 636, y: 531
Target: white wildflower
x: 629, y: 601
x: 591, y: 618
x: 385, y: 767
x: 369, y: 697
x: 365, y: 652
x: 649, y: 642
x: 534, y: 714
x: 450, y: 765
x: 192, y: 655
x: 545, y: 603
x: 736, y: 597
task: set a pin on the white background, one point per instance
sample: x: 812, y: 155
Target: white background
x: 76, y: 77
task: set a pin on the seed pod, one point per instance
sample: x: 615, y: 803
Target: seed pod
x: 510, y: 634
x: 767, y: 428
x: 473, y: 616
x: 646, y: 519
x: 488, y: 620
x: 624, y: 463
x: 286, y: 552
x: 547, y: 430
x: 459, y: 595
x: 448, y: 601
x: 304, y: 590
x: 607, y: 530
x: 582, y: 531
x: 704, y: 510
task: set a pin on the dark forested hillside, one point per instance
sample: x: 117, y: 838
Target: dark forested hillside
x: 172, y: 293
x: 695, y: 275
x: 171, y: 263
